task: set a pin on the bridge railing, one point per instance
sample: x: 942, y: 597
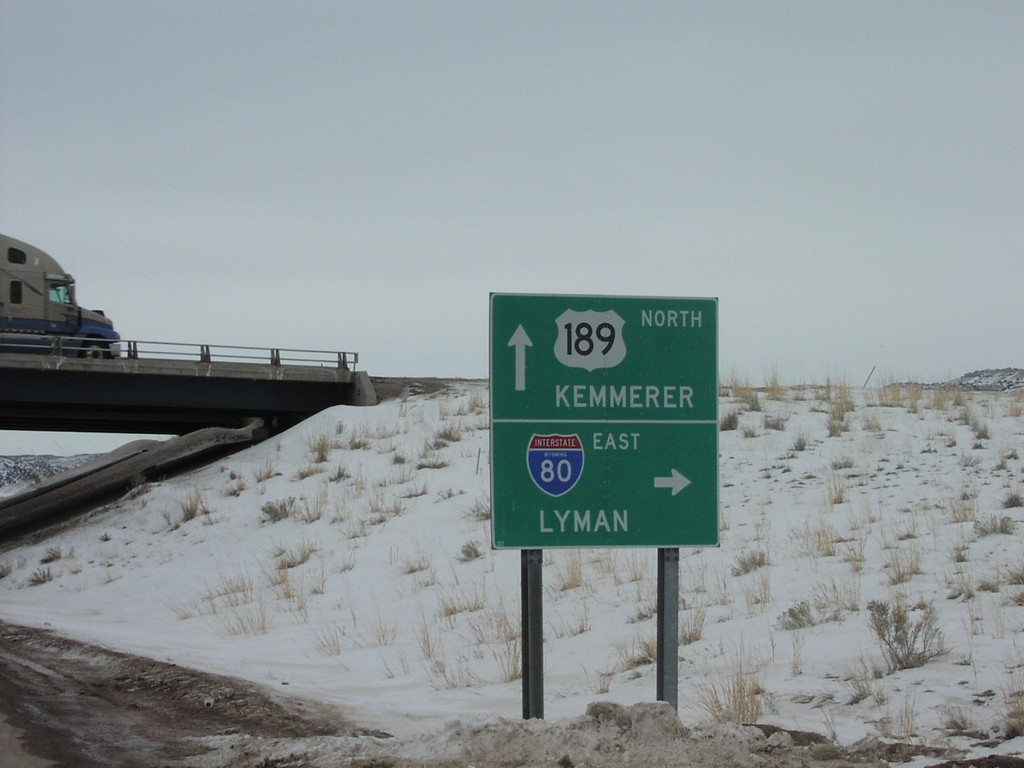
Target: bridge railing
x: 221, y: 353
x: 56, y: 346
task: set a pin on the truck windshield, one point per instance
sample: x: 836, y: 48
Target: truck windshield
x: 61, y: 294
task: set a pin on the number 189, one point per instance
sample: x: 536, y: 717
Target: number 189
x: 579, y: 338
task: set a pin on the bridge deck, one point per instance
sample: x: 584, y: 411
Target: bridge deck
x: 172, y: 395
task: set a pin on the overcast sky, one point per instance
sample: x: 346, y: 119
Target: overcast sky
x: 847, y: 178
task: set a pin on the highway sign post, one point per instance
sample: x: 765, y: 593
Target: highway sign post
x: 604, y: 433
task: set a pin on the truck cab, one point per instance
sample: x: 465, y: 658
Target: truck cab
x: 39, y: 312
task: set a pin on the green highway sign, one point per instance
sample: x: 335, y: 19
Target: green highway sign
x: 604, y: 421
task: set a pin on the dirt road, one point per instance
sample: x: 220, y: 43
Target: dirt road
x: 81, y: 705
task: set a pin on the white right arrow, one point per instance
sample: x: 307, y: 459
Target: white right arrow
x: 676, y: 482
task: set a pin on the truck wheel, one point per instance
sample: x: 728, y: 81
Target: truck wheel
x: 95, y: 350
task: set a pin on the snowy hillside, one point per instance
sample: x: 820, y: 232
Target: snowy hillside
x: 870, y: 581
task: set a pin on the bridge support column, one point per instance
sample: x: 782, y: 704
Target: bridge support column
x: 362, y: 389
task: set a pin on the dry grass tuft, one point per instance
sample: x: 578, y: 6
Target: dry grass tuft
x: 470, y: 551
x: 248, y: 620
x: 40, y: 576
x: 1013, y: 699
x: 729, y: 421
x: 749, y: 561
x: 903, y: 564
x: 276, y: 511
x: 963, y: 509
x: 735, y: 699
x: 264, y: 472
x: 640, y: 652
x: 906, y: 643
x: 569, y: 574
x: 193, y: 505
x: 1013, y: 499
x: 320, y: 445
x: 993, y: 525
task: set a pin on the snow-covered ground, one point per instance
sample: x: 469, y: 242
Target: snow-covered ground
x: 349, y: 560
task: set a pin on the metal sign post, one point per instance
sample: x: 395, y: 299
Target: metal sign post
x: 668, y: 626
x: 533, y: 633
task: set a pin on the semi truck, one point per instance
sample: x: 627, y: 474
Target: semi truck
x: 39, y: 312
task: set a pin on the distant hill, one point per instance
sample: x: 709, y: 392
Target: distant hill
x: 991, y: 380
x: 18, y: 471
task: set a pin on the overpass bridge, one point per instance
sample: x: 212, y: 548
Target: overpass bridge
x: 174, y: 389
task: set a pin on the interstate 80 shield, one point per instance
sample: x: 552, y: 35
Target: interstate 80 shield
x: 555, y: 462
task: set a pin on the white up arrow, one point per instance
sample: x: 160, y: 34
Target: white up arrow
x: 676, y: 482
x: 520, y: 340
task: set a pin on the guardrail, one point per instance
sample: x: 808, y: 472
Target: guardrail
x: 211, y: 353
x: 57, y: 346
